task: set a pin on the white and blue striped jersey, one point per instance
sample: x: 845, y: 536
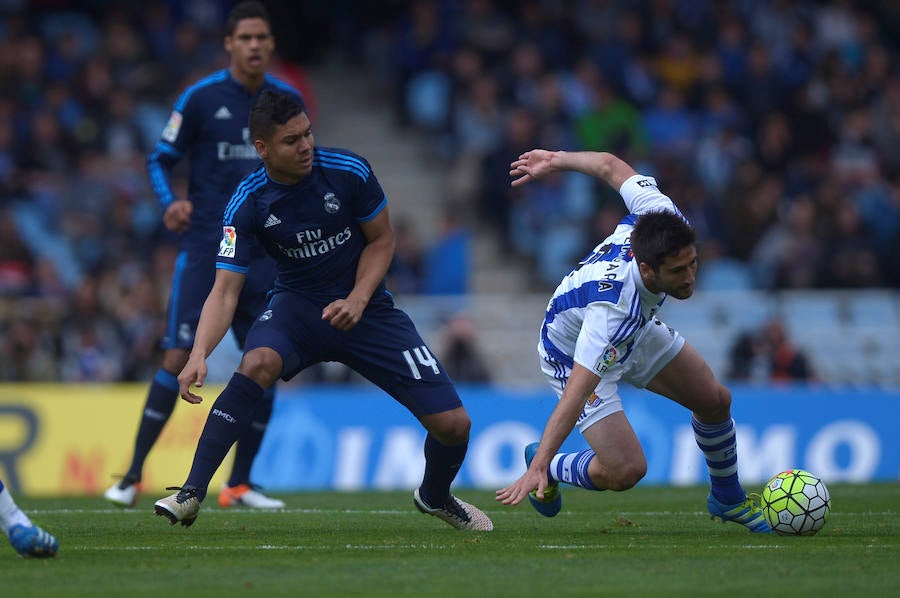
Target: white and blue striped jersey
x: 600, y: 308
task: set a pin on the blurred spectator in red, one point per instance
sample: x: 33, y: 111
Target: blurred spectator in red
x: 786, y: 361
x: 769, y: 356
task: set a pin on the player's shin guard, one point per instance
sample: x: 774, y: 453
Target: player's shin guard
x: 249, y: 442
x: 719, y: 445
x: 572, y: 468
x: 442, y: 463
x: 229, y: 417
x: 161, y: 399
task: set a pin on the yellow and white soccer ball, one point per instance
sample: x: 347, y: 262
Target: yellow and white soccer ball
x: 796, y: 503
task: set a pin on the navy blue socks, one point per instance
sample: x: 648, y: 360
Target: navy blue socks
x: 249, y: 442
x: 228, y: 419
x: 161, y: 399
x: 441, y: 466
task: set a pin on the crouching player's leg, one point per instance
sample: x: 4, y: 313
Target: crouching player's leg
x: 689, y: 381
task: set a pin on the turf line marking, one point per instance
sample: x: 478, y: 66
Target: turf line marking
x: 314, y: 547
x: 574, y: 547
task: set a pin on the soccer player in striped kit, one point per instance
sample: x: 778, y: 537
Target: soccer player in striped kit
x: 600, y: 327
x: 208, y: 127
x: 322, y: 214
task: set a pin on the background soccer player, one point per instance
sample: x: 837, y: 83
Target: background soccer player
x: 208, y: 127
x: 601, y: 327
x: 323, y: 215
x: 26, y: 538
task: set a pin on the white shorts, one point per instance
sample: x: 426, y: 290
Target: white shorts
x: 656, y: 345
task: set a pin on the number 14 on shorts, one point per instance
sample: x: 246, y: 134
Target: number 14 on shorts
x: 424, y: 358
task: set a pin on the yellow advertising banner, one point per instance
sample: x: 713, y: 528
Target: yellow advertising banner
x: 71, y: 439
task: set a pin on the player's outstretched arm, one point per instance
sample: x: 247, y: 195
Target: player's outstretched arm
x: 538, y: 163
x: 215, y: 319
x: 579, y: 387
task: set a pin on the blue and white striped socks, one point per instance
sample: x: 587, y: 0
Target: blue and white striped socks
x: 572, y: 468
x: 719, y: 445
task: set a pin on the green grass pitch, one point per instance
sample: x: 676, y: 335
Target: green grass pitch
x: 648, y: 541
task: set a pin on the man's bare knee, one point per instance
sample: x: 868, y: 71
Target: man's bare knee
x: 716, y: 407
x: 628, y: 476
x: 174, y: 359
x: 450, y: 428
x: 621, y: 476
x: 262, y: 365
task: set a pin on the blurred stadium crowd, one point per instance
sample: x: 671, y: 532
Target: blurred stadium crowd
x: 774, y: 123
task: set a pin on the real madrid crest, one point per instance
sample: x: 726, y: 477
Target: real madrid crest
x: 332, y: 203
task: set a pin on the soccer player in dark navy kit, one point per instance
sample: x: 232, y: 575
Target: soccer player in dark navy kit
x: 209, y: 128
x: 323, y: 216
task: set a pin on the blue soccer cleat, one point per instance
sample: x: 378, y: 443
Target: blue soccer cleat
x: 747, y: 513
x: 551, y: 504
x: 30, y: 541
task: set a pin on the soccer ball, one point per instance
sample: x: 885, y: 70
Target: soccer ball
x: 796, y: 503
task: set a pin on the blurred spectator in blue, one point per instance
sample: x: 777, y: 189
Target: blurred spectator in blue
x: 750, y: 208
x: 669, y: 125
x: 879, y: 207
x: 494, y: 204
x: 423, y: 40
x: 446, y: 263
x: 852, y: 254
x: 484, y: 26
x: 91, y: 340
x: 477, y: 129
x: 547, y: 223
x: 789, y: 255
x: 542, y: 24
x: 406, y: 272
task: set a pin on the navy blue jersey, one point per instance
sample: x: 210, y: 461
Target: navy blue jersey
x: 208, y: 126
x: 312, y: 229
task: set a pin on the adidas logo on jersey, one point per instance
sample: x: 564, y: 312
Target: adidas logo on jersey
x: 222, y: 113
x: 272, y: 220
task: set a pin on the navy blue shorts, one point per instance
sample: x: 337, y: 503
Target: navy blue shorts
x: 194, y: 275
x: 384, y: 347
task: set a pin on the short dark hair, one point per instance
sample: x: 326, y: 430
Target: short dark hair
x: 270, y: 110
x: 658, y: 235
x: 246, y: 10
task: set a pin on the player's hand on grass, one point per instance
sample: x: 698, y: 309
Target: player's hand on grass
x: 533, y: 479
x: 193, y: 374
x: 344, y: 314
x: 177, y: 217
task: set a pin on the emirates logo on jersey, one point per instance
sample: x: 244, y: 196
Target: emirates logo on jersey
x: 332, y: 203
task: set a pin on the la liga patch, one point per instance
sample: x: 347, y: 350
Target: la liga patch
x: 228, y: 244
